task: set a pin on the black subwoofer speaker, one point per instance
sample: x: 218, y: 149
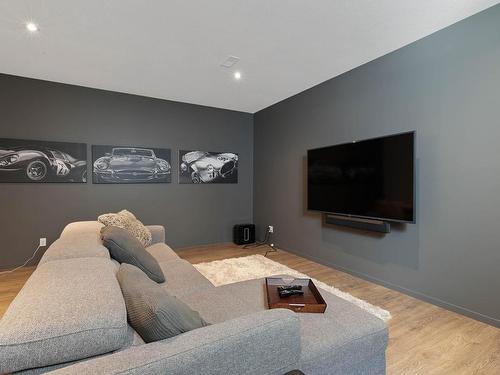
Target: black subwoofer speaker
x: 244, y: 234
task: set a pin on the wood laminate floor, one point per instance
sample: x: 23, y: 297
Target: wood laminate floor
x: 423, y: 338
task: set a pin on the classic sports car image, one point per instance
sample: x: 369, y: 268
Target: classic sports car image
x: 207, y: 167
x: 38, y: 162
x: 130, y: 164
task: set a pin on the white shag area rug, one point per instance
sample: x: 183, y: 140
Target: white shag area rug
x: 232, y: 270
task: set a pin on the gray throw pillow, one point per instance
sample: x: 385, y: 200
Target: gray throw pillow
x: 125, y: 248
x: 151, y: 310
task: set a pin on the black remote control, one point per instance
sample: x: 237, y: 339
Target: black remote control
x: 289, y: 287
x: 288, y: 293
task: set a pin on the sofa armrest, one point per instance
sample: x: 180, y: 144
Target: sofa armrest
x: 157, y: 232
x: 266, y: 342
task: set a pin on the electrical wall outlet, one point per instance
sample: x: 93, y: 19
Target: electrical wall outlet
x: 43, y: 242
x: 271, y: 229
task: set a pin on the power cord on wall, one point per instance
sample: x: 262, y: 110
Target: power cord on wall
x: 25, y: 263
x: 267, y: 242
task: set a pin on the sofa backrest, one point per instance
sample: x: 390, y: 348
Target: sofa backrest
x: 67, y: 310
x: 79, y: 228
x: 80, y: 239
x: 70, y: 308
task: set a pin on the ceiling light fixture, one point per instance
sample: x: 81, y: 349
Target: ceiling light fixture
x: 237, y: 76
x: 32, y: 27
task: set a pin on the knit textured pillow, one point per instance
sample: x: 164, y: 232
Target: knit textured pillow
x: 151, y: 310
x: 127, y: 214
x: 126, y: 220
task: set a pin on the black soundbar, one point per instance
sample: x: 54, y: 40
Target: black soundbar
x: 358, y: 223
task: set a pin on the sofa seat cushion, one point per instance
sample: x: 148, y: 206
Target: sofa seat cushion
x: 75, y: 246
x: 162, y: 252
x: 344, y: 332
x: 182, y: 278
x: 216, y: 305
x: 67, y: 310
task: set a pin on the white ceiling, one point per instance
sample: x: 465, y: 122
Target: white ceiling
x: 173, y: 49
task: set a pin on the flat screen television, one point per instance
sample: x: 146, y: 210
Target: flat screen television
x: 373, y: 178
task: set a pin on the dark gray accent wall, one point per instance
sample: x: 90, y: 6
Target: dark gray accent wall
x: 447, y: 88
x: 192, y: 214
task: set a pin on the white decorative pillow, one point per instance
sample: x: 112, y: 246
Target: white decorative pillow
x: 139, y: 231
x: 127, y: 214
x: 114, y: 220
x: 126, y: 220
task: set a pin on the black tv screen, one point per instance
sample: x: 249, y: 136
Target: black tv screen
x: 373, y: 178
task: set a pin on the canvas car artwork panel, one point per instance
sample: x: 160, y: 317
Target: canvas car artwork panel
x: 23, y: 160
x: 198, y: 167
x: 130, y: 165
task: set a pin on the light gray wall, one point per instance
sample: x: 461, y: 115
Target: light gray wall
x: 192, y: 214
x: 447, y: 88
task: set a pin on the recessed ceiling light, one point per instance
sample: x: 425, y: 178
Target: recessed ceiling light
x: 237, y: 75
x: 32, y: 27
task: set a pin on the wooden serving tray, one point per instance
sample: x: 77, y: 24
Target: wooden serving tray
x: 310, y: 302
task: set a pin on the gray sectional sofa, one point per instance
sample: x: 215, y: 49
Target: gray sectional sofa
x: 70, y: 318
